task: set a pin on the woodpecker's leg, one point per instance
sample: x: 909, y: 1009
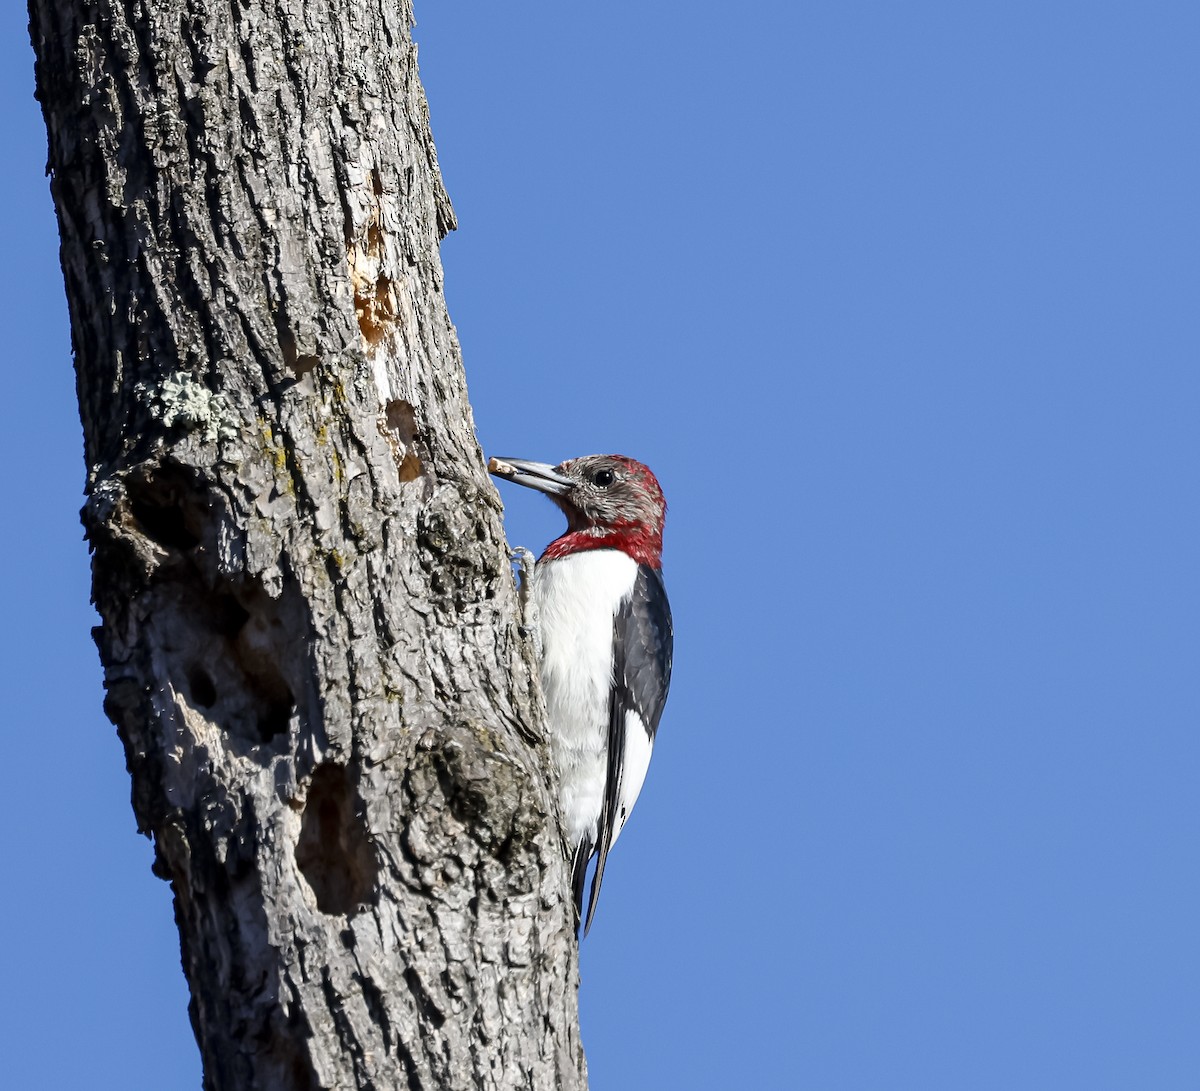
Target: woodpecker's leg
x: 525, y: 561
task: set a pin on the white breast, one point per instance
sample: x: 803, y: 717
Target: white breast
x: 577, y: 599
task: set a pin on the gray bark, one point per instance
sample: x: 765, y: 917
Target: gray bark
x: 309, y: 627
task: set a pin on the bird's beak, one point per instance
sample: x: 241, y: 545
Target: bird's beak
x: 535, y: 475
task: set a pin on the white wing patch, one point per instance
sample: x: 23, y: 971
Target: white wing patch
x: 637, y: 760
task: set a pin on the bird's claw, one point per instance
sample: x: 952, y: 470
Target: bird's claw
x: 525, y: 562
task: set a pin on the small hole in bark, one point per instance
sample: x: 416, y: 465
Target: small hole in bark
x: 257, y: 648
x: 201, y: 687
x: 166, y: 502
x: 162, y: 523
x: 237, y: 660
x: 402, y: 420
x: 274, y: 719
x: 410, y: 467
x: 376, y: 309
x: 334, y: 851
x: 228, y: 615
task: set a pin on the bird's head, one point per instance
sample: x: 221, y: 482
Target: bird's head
x: 610, y: 501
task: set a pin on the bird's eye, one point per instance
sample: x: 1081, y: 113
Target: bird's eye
x: 603, y: 478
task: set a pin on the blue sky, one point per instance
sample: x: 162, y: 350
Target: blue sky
x: 900, y: 302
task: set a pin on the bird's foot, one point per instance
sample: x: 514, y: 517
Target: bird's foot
x: 525, y: 562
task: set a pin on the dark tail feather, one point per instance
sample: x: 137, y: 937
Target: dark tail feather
x: 609, y: 824
x: 579, y: 865
x: 595, y: 894
x: 605, y: 839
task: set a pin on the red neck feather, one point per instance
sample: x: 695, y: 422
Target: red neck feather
x: 634, y: 539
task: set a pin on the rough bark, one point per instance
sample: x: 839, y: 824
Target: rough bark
x: 309, y: 627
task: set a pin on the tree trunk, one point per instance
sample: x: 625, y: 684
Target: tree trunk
x: 309, y: 625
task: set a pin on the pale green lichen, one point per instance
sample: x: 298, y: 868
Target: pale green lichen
x: 181, y: 400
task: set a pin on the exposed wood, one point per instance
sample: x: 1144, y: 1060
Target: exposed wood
x: 309, y: 625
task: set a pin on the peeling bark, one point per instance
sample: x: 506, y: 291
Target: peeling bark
x: 309, y: 626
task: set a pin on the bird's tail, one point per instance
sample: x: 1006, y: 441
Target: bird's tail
x: 579, y: 866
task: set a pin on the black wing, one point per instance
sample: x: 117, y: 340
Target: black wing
x: 643, y: 637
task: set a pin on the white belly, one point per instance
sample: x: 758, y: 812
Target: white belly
x: 577, y: 599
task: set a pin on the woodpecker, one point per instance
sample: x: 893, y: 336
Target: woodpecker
x: 606, y: 638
